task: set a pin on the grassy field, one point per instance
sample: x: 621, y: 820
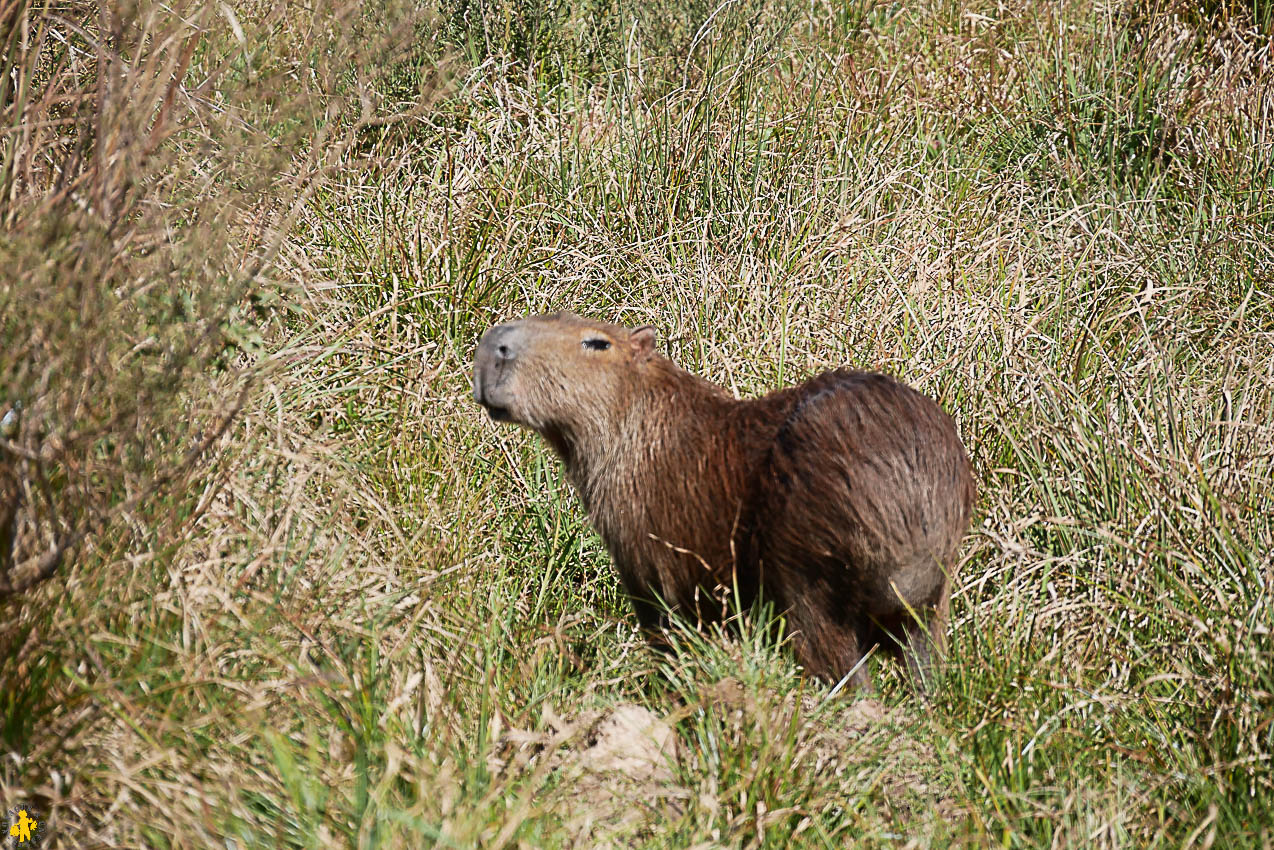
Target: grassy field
x: 307, y: 595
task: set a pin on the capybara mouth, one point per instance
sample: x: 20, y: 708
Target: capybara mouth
x: 498, y: 412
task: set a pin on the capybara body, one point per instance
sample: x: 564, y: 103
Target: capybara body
x: 842, y: 500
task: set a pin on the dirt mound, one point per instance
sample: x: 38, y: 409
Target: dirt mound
x: 616, y: 768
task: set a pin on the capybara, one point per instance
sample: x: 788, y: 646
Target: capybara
x: 842, y: 500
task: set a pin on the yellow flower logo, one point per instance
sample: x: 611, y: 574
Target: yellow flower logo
x: 22, y: 827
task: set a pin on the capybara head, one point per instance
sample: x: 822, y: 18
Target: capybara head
x: 559, y: 372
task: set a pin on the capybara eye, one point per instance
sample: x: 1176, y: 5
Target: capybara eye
x: 597, y: 344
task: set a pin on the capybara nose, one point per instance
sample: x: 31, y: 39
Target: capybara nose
x: 496, y: 352
x: 500, y: 344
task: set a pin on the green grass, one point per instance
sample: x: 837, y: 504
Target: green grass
x: 368, y: 620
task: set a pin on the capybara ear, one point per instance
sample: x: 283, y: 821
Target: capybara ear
x: 642, y: 341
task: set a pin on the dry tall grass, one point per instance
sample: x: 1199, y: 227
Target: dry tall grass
x: 357, y: 614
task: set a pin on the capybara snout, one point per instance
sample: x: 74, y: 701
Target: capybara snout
x: 842, y: 500
x: 494, y: 364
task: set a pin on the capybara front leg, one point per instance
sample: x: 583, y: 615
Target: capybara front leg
x: 827, y: 649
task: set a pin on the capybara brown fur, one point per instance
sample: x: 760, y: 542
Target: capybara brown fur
x: 842, y: 500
